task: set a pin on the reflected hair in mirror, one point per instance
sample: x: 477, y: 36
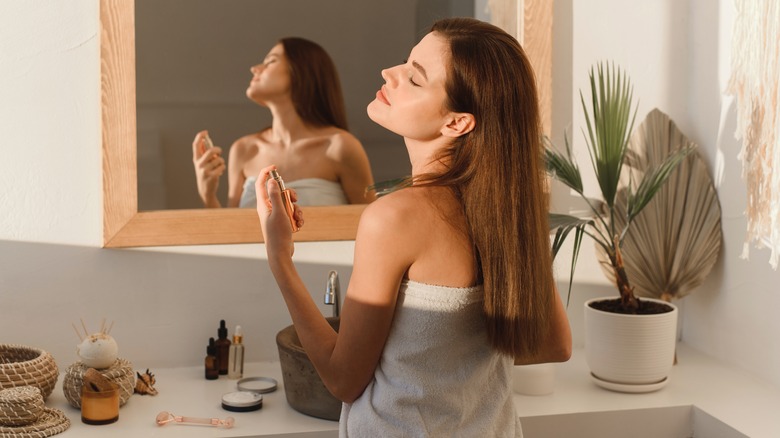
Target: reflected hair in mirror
x: 316, y: 88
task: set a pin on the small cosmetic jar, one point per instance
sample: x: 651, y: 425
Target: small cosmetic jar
x: 99, y: 407
x: 260, y: 385
x: 242, y: 401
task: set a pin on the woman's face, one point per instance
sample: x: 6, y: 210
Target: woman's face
x: 271, y: 78
x: 411, y: 103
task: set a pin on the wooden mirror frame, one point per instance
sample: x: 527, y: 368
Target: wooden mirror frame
x: 125, y: 226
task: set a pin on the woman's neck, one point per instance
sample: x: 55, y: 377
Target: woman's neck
x: 287, y: 126
x: 423, y: 155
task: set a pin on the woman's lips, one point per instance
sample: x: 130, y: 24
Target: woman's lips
x: 380, y: 95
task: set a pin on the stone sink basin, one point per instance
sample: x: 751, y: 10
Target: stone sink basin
x: 302, y: 385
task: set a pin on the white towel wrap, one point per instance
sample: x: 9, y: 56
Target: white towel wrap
x: 437, y: 376
x: 310, y: 191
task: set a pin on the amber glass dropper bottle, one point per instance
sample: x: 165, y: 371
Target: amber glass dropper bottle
x: 212, y: 369
x: 223, y: 348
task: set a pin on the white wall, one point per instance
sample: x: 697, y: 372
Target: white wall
x: 733, y: 315
x: 166, y: 305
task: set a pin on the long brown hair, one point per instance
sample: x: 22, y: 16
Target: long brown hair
x: 316, y: 89
x: 497, y: 171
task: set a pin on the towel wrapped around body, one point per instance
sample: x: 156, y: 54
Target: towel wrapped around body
x: 310, y: 191
x: 438, y: 376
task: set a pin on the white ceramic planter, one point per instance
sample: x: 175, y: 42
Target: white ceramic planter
x: 630, y: 353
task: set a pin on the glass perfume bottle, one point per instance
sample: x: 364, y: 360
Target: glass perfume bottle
x: 288, y: 204
x: 236, y: 356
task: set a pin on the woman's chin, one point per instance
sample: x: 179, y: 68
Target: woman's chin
x: 374, y: 110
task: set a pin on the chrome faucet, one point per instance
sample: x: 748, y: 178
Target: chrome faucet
x: 332, y: 293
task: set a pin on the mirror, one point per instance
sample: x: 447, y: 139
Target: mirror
x: 192, y: 70
x: 126, y: 226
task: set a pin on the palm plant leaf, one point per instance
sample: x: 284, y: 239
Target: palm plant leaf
x: 608, y: 126
x: 563, y: 225
x: 674, y: 241
x: 653, y: 180
x: 386, y: 187
x: 563, y: 167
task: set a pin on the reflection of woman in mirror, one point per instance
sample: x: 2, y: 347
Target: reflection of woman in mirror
x: 452, y: 280
x: 307, y: 140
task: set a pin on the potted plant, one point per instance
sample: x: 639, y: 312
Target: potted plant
x: 629, y: 343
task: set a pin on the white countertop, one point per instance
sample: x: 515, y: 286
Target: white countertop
x: 734, y: 397
x: 185, y: 391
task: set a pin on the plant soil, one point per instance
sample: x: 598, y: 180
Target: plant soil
x: 645, y: 307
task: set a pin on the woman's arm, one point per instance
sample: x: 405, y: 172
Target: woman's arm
x: 237, y: 159
x: 557, y: 345
x: 345, y: 360
x: 353, y: 168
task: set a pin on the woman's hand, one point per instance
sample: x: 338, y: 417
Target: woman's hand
x: 277, y: 231
x: 209, y: 167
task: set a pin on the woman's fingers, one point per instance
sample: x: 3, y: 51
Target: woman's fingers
x: 298, y: 215
x: 261, y: 188
x: 211, y: 159
x: 198, y: 145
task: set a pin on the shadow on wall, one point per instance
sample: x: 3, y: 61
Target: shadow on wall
x: 164, y: 306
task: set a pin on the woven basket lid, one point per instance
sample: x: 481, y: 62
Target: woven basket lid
x: 20, y: 406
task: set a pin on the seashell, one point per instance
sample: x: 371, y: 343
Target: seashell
x: 98, y: 351
x: 145, y: 383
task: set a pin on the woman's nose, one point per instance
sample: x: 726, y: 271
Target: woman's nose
x: 255, y: 69
x: 388, y: 76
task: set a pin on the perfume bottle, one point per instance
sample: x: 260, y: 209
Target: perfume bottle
x: 212, y: 368
x: 207, y: 143
x: 236, y: 356
x: 223, y: 348
x: 288, y: 204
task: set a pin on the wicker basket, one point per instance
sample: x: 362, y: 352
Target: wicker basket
x: 21, y: 366
x: 121, y: 373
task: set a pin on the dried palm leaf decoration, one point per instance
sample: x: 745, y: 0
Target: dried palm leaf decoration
x: 755, y: 81
x: 674, y: 242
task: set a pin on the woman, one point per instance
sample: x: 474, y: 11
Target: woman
x: 307, y: 139
x: 452, y: 280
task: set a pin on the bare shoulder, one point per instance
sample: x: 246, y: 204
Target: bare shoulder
x: 340, y: 136
x: 247, y: 147
x: 423, y: 230
x: 387, y: 235
x: 400, y: 214
x: 342, y: 143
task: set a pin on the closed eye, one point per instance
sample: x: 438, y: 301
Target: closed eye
x: 411, y: 77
